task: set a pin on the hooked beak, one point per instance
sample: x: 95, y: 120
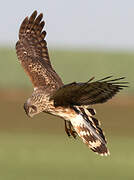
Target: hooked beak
x: 26, y: 108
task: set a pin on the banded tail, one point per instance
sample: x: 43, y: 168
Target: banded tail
x: 87, y: 127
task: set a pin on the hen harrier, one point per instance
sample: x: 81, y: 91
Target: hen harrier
x: 72, y: 101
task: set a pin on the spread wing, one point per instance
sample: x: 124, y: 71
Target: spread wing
x: 33, y: 55
x: 87, y: 93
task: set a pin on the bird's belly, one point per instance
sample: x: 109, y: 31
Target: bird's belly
x: 65, y: 113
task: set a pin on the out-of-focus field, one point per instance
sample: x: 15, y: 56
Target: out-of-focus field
x: 38, y: 148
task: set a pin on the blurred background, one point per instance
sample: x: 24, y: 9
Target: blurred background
x: 85, y: 39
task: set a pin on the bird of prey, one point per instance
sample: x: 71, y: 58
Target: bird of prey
x: 73, y: 101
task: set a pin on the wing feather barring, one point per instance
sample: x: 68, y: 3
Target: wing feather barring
x: 73, y: 101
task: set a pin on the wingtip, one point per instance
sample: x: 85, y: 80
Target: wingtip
x: 108, y: 77
x: 34, y: 13
x: 25, y: 20
x: 41, y: 14
x: 91, y: 79
x: 23, y: 25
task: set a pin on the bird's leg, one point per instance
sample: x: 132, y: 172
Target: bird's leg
x: 67, y: 130
x: 72, y: 131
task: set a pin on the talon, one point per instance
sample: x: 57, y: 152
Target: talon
x: 72, y: 132
x: 69, y: 129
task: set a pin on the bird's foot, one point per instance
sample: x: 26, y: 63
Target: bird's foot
x: 70, y: 130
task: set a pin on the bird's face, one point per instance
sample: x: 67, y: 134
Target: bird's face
x: 35, y: 104
x: 30, y: 110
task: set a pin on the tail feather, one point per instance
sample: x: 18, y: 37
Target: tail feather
x: 87, y: 127
x: 91, y: 111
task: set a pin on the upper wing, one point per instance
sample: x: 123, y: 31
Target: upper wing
x: 33, y: 55
x: 87, y: 93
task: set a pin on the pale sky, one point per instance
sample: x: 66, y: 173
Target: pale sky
x: 87, y: 24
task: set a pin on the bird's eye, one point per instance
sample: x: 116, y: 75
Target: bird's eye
x: 33, y: 108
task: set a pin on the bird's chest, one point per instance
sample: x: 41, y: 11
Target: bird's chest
x: 63, y: 112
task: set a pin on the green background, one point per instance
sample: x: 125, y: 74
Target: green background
x: 38, y: 148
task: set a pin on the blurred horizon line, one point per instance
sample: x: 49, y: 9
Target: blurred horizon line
x: 78, y: 48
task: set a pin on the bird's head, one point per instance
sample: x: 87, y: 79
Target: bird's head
x: 30, y: 110
x: 36, y: 103
x: 32, y: 106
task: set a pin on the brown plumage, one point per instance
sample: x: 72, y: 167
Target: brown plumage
x: 72, y: 101
x: 33, y: 53
x: 87, y: 93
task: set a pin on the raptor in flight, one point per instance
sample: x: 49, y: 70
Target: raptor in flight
x: 72, y: 101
